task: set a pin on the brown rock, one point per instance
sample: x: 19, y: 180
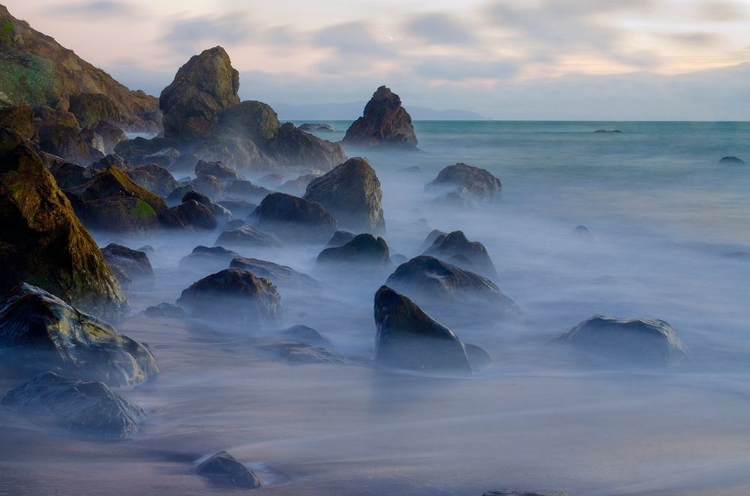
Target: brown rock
x: 385, y: 123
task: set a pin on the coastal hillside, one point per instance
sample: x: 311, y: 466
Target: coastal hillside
x: 35, y: 70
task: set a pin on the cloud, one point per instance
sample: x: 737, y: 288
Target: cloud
x: 230, y: 28
x: 459, y: 69
x: 353, y: 38
x: 695, y: 39
x: 721, y: 11
x: 440, y: 29
x: 96, y: 8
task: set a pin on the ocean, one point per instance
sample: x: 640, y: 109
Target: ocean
x: 670, y: 240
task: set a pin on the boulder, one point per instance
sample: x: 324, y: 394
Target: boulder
x: 238, y: 208
x: 209, y: 186
x: 165, y: 311
x: 245, y: 190
x: 219, y: 212
x: 132, y: 264
x: 168, y: 157
x: 297, y: 187
x: 43, y: 242
x: 446, y: 289
x: 280, y: 275
x: 111, y: 160
x: 364, y: 249
x: 467, y: 184
x: 294, y: 219
x: 43, y: 332
x: 351, y: 193
x: 253, y: 120
x: 235, y: 294
x: 233, y: 149
x: 19, y: 119
x: 90, y: 108
x: 384, y: 123
x: 175, y: 197
x: 191, y: 216
x: 303, y: 353
x: 582, y: 233
x: 471, y: 255
x: 67, y: 142
x: 295, y: 148
x: 340, y: 238
x: 67, y: 174
x: 84, y: 407
x: 430, y: 240
x: 408, y: 338
x: 203, y: 87
x: 222, y: 468
x: 247, y: 237
x: 638, y: 341
x: 154, y: 178
x: 218, y: 170
x: 109, y: 134
x: 210, y: 259
x: 303, y: 334
x: 731, y: 160
x: 136, y: 150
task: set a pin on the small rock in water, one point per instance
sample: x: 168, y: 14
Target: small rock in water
x: 363, y: 249
x: 582, y: 233
x: 304, y: 334
x: 84, y: 407
x: 384, y: 123
x: 165, y: 310
x: 468, y: 184
x: 731, y: 160
x: 223, y: 468
x: 133, y: 264
x: 616, y: 131
x: 303, y: 353
x: 448, y: 246
x: 316, y: 127
x: 281, y: 275
x: 515, y: 492
x: 738, y: 255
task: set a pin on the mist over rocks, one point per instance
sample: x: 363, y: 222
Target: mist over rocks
x: 384, y: 123
x: 297, y: 187
x: 281, y: 276
x: 154, y: 178
x: 128, y: 265
x: 44, y: 243
x: 340, y: 238
x: 293, y: 219
x: 351, y: 193
x: 208, y: 259
x: 466, y: 185
x: 84, y: 407
x: 224, y: 469
x: 218, y: 170
x: 42, y: 332
x: 247, y: 237
x: 408, y: 338
x: 363, y: 250
x: 636, y: 341
x: 189, y: 216
x: 221, y: 213
x: 455, y: 248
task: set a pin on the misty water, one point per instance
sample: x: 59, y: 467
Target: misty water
x: 663, y: 214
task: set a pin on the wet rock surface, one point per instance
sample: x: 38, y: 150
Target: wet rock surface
x: 294, y: 219
x: 364, y: 249
x: 469, y: 184
x: 223, y: 469
x: 132, y: 264
x: 280, y: 275
x: 458, y: 250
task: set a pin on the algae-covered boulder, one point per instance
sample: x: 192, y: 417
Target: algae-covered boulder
x: 42, y: 332
x: 43, y: 242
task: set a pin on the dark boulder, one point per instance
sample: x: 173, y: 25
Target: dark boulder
x: 90, y: 108
x: 208, y: 259
x: 112, y: 160
x: 222, y: 468
x: 430, y: 240
x: 455, y: 245
x: 246, y: 190
x: 297, y: 187
x: 132, y: 264
x: 43, y: 242
x: 154, y: 178
x: 639, y: 341
x: 209, y: 186
x: 303, y: 334
x: 165, y: 311
x: 280, y: 275
x: 295, y: 148
x: 219, y: 212
x: 67, y: 174
x: 294, y: 219
x: 351, y: 193
x: 515, y: 492
x: 203, y: 87
x: 84, y: 407
x: 384, y: 123
x: 19, y: 119
x: 235, y: 294
x: 340, y: 238
x: 364, y: 249
x: 247, y: 237
x: 408, y: 338
x: 68, y: 143
x: 43, y: 332
x: 480, y: 185
x: 731, y: 160
x: 191, y: 216
x: 218, y: 170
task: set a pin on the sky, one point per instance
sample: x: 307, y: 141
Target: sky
x: 526, y: 59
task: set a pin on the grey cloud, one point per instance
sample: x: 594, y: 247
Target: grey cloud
x: 693, y: 39
x: 229, y: 28
x: 96, y: 8
x: 458, y: 69
x: 440, y: 29
x: 352, y: 38
x: 721, y: 11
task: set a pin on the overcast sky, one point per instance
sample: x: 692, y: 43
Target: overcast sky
x: 545, y: 59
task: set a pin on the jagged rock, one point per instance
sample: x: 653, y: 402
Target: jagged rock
x: 642, y: 341
x: 133, y: 264
x: 454, y: 246
x: 444, y: 289
x: 223, y: 468
x: 247, y: 237
x: 90, y: 108
x: 154, y: 178
x: 210, y: 259
x: 136, y: 150
x: 43, y: 332
x: 246, y: 190
x: 238, y: 208
x: 235, y: 294
x: 430, y: 240
x: 340, y: 238
x: 111, y: 201
x: 67, y: 174
x: 111, y: 160
x: 479, y: 184
x: 84, y: 407
x: 297, y: 187
x: 68, y: 143
x: 43, y: 242
x: 384, y: 123
x: 303, y: 353
x: 364, y: 249
x: 351, y: 193
x: 19, y: 119
x: 203, y: 87
x: 165, y: 311
x: 190, y: 215
x: 219, y: 212
x: 253, y: 120
x: 303, y: 334
x: 280, y: 275
x: 209, y: 186
x: 48, y: 116
x: 307, y: 127
x: 731, y: 160
x: 165, y: 157
x: 110, y: 135
x: 408, y: 338
x: 218, y: 170
x: 292, y: 147
x: 294, y: 219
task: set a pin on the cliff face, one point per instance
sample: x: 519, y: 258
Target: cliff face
x: 36, y: 70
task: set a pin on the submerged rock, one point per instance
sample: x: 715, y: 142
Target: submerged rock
x: 294, y: 219
x: 165, y: 311
x: 515, y: 492
x: 468, y: 183
x: 582, y: 233
x: 641, y: 341
x: 45, y: 333
x: 303, y: 334
x: 351, y: 193
x: 731, y: 160
x: 133, y: 265
x: 211, y: 259
x: 471, y: 255
x: 364, y: 249
x: 303, y: 353
x: 43, y: 242
x: 384, y: 123
x: 316, y: 127
x: 84, y: 407
x: 235, y: 294
x: 280, y: 275
x: 247, y: 237
x: 408, y: 338
x: 223, y: 468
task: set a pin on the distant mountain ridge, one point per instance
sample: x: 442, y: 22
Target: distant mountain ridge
x: 353, y: 110
x: 36, y: 70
